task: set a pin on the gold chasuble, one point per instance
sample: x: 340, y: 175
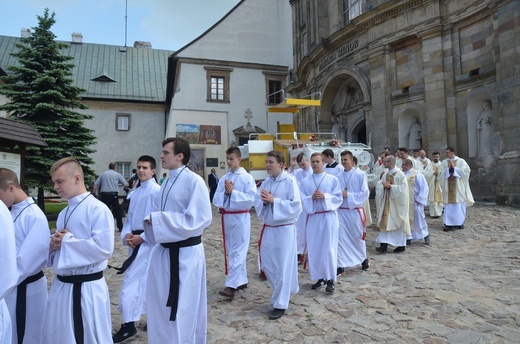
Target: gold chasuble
x: 452, y: 187
x: 386, y: 210
x: 411, y: 182
x: 437, y: 194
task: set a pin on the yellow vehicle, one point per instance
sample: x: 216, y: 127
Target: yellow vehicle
x: 292, y: 143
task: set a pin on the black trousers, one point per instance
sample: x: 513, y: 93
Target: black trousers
x: 111, y: 199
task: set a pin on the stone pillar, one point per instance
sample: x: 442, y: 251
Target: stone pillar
x: 441, y: 126
x: 382, y: 126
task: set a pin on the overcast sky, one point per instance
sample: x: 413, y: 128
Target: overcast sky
x: 167, y: 24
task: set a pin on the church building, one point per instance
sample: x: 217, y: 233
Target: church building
x: 418, y: 74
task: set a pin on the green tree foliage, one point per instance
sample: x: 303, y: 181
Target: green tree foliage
x: 40, y: 92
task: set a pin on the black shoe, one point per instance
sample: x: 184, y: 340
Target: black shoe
x: 461, y: 227
x: 427, y: 240
x: 242, y: 287
x: 298, y: 257
x: 382, y: 248
x: 365, y: 265
x: 330, y: 286
x: 318, y: 284
x: 339, y: 271
x: 448, y: 228
x: 145, y: 328
x: 399, y: 249
x: 276, y: 314
x: 127, y: 331
x: 228, y: 292
x: 408, y: 242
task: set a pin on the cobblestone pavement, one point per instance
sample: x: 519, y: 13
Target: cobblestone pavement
x: 463, y: 288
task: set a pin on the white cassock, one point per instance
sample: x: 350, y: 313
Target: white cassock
x: 393, y: 222
x: 181, y: 211
x: 84, y: 250
x: 300, y: 175
x: 418, y: 196
x: 132, y: 300
x: 435, y: 200
x: 278, y: 240
x: 334, y: 170
x: 352, y: 249
x: 9, y: 271
x: 456, y: 191
x: 32, y: 248
x: 236, y: 222
x: 322, y: 224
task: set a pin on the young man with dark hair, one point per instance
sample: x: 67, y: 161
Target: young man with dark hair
x: 176, y: 298
x: 431, y: 172
x: 278, y: 205
x: 27, y: 301
x: 79, y: 252
x: 133, y: 291
x: 235, y: 196
x: 321, y: 197
x: 332, y: 166
x: 352, y: 249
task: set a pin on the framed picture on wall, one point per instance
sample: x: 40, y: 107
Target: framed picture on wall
x: 197, y: 159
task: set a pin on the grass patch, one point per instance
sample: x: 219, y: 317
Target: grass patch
x: 53, y: 208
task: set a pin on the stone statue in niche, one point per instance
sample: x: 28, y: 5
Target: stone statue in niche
x: 485, y: 129
x: 414, y: 135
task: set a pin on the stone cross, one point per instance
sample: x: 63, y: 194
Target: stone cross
x: 248, y: 116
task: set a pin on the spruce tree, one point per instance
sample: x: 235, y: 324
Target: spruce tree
x: 40, y: 92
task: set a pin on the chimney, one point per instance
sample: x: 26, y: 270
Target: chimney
x: 142, y: 45
x: 26, y: 33
x: 77, y: 37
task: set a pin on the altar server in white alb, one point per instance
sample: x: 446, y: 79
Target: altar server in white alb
x: 278, y: 205
x: 176, y: 301
x: 9, y: 271
x: 27, y: 301
x: 300, y: 174
x: 321, y: 197
x: 454, y: 178
x: 418, y: 199
x: 235, y: 196
x: 352, y: 249
x: 78, y: 308
x: 133, y: 291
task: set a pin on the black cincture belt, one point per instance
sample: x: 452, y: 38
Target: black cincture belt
x: 78, y: 280
x: 129, y: 260
x: 173, y: 296
x: 21, y: 304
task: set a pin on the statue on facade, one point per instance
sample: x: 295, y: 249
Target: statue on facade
x: 346, y: 98
x: 485, y: 129
x: 414, y: 135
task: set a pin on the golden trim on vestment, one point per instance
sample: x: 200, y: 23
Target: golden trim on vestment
x: 452, y: 187
x: 383, y: 224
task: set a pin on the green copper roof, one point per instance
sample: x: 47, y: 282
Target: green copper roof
x: 109, y: 71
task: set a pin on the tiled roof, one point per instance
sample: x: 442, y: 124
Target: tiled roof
x: 19, y: 132
x: 123, y: 73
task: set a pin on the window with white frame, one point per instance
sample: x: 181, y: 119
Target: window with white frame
x: 124, y: 169
x: 218, y: 84
x: 122, y: 121
x: 351, y: 9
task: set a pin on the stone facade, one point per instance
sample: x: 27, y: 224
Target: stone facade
x: 429, y: 73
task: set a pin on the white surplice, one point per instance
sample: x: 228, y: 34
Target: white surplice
x: 278, y: 242
x: 431, y: 173
x: 322, y: 224
x: 84, y: 250
x: 32, y: 248
x: 237, y: 227
x: 455, y: 212
x: 398, y: 227
x: 300, y: 175
x: 181, y: 210
x: 352, y: 249
x: 418, y: 197
x: 9, y: 270
x: 132, y: 300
